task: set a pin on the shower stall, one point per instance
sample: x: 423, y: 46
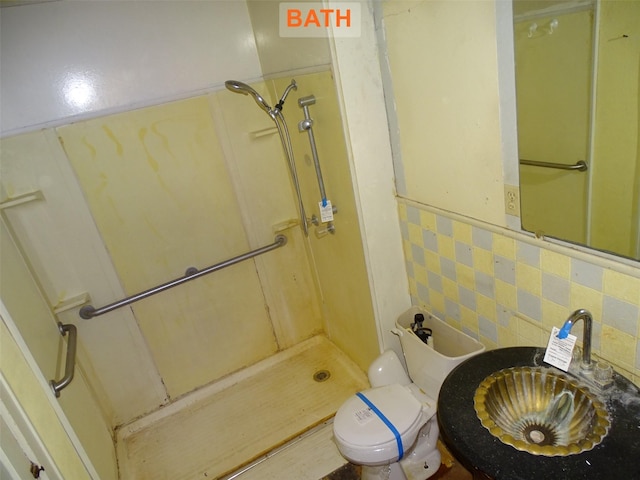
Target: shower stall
x: 106, y: 204
x: 277, y: 309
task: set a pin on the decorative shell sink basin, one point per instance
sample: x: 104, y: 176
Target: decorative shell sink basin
x: 540, y: 411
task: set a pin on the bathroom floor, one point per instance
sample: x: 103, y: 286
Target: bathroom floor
x: 241, y: 419
x: 315, y: 457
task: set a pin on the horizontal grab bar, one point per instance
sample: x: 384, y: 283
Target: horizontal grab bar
x: 192, y: 273
x: 580, y: 165
x: 70, y: 362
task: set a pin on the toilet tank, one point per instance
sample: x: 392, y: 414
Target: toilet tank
x: 427, y: 365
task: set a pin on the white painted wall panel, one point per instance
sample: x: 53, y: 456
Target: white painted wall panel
x: 64, y: 59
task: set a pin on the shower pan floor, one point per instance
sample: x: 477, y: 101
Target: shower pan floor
x: 230, y: 423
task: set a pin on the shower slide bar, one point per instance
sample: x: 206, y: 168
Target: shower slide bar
x: 70, y: 362
x: 327, y: 210
x: 192, y: 273
x: 580, y: 165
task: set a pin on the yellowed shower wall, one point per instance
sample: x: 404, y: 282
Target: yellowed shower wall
x: 197, y: 181
x: 339, y: 259
x: 507, y: 290
x: 164, y: 199
x: 617, y: 149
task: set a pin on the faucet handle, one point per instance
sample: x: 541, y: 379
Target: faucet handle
x: 603, y: 373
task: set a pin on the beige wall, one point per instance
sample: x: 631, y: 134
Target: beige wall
x: 443, y: 64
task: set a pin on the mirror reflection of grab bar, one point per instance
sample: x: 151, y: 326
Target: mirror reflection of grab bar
x: 580, y: 165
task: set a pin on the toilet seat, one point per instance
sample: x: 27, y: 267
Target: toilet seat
x: 377, y: 436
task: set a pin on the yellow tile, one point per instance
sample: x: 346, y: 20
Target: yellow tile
x: 428, y: 220
x: 436, y: 299
x: 402, y: 211
x: 413, y: 290
x: 462, y: 232
x: 486, y: 307
x: 619, y: 346
x: 415, y: 234
x: 469, y: 319
x: 408, y: 252
x: 488, y: 344
x: 420, y: 274
x: 432, y: 260
x: 585, y: 297
x: 507, y: 337
x: 483, y: 260
x: 556, y: 263
x: 621, y: 286
x: 553, y: 315
x: 465, y: 276
x: 529, y: 334
x: 504, y: 246
x: 450, y: 289
x: 446, y: 246
x: 506, y: 294
x: 529, y: 278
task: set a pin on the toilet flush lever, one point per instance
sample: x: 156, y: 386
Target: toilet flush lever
x: 397, y: 332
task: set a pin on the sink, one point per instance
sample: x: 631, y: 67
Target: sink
x: 483, y: 454
x: 540, y: 411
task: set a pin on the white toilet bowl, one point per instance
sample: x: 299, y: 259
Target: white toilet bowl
x: 391, y: 429
x: 378, y: 426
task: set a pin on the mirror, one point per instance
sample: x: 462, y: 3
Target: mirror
x: 577, y: 94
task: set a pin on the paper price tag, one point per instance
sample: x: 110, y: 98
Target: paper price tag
x: 560, y: 351
x: 326, y: 212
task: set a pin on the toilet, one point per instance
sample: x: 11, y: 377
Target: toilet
x: 391, y: 429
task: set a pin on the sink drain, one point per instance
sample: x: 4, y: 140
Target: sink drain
x: 321, y: 375
x: 540, y: 434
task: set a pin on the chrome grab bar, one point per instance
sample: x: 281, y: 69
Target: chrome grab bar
x: 70, y: 362
x: 580, y: 165
x: 192, y: 273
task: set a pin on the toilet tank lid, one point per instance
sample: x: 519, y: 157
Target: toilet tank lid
x: 358, y: 425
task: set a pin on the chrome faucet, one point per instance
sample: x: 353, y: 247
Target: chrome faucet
x: 585, y: 315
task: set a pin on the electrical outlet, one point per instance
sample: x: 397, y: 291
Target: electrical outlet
x: 512, y: 200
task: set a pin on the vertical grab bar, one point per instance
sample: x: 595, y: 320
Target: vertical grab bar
x: 70, y: 362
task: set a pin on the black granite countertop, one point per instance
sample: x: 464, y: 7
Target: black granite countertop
x: 617, y: 457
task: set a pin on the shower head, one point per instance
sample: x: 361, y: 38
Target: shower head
x: 245, y: 89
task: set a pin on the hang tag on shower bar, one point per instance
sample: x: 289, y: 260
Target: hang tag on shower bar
x: 326, y: 211
x: 560, y: 350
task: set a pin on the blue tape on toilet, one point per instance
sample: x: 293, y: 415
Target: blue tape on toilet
x: 386, y: 421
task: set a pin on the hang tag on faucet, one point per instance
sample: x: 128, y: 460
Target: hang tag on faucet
x: 326, y: 211
x: 560, y: 350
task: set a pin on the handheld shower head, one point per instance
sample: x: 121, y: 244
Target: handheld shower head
x: 239, y: 87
